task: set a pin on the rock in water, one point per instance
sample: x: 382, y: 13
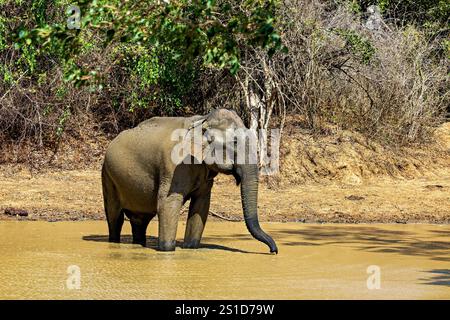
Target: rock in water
x: 16, y: 212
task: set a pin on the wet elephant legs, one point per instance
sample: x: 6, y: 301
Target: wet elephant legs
x: 113, y: 210
x: 114, y: 215
x: 139, y: 225
x: 198, y: 213
x: 168, y: 214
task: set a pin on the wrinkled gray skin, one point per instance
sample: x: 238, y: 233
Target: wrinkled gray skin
x: 140, y: 180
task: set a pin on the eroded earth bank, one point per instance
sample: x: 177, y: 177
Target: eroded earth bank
x: 343, y: 178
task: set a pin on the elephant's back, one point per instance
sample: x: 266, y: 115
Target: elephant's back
x: 145, y: 148
x: 152, y: 134
x: 161, y: 124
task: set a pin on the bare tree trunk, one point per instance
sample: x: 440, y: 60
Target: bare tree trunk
x: 261, y: 97
x: 252, y: 102
x: 255, y: 107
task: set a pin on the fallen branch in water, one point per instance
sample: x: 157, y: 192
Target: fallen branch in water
x: 215, y: 214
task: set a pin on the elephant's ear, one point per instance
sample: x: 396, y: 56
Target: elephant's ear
x: 199, y: 122
x: 196, y: 142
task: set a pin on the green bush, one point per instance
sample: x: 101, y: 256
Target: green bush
x: 129, y: 60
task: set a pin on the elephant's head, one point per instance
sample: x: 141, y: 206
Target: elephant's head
x: 225, y: 131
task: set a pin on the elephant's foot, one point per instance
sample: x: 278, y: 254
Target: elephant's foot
x: 140, y: 241
x: 166, y: 245
x: 114, y: 239
x: 191, y: 244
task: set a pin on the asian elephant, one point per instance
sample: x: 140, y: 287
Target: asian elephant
x: 141, y: 180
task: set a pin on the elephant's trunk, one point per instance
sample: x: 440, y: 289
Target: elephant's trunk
x: 248, y: 174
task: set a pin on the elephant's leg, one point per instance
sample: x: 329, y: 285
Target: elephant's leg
x: 168, y: 213
x: 115, y: 217
x: 198, y: 213
x: 139, y: 225
x: 113, y: 210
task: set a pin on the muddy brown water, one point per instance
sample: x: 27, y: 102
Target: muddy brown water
x: 315, y: 262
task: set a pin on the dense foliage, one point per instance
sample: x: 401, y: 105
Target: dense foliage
x: 130, y: 60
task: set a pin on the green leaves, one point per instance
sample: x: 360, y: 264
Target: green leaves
x: 173, y: 42
x: 211, y: 30
x: 358, y: 45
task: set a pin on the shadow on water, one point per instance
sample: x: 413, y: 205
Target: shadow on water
x: 420, y: 243
x: 152, y: 243
x: 439, y: 277
x: 371, y: 239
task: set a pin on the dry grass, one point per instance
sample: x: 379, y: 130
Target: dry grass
x: 395, y: 94
x: 390, y: 85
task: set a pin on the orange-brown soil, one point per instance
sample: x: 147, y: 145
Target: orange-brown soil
x: 339, y: 178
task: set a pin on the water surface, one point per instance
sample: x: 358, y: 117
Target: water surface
x: 315, y: 262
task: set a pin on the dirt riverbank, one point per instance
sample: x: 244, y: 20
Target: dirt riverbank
x: 340, y: 178
x: 76, y: 195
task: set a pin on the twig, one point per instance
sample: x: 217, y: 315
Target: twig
x: 16, y: 82
x: 215, y: 214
